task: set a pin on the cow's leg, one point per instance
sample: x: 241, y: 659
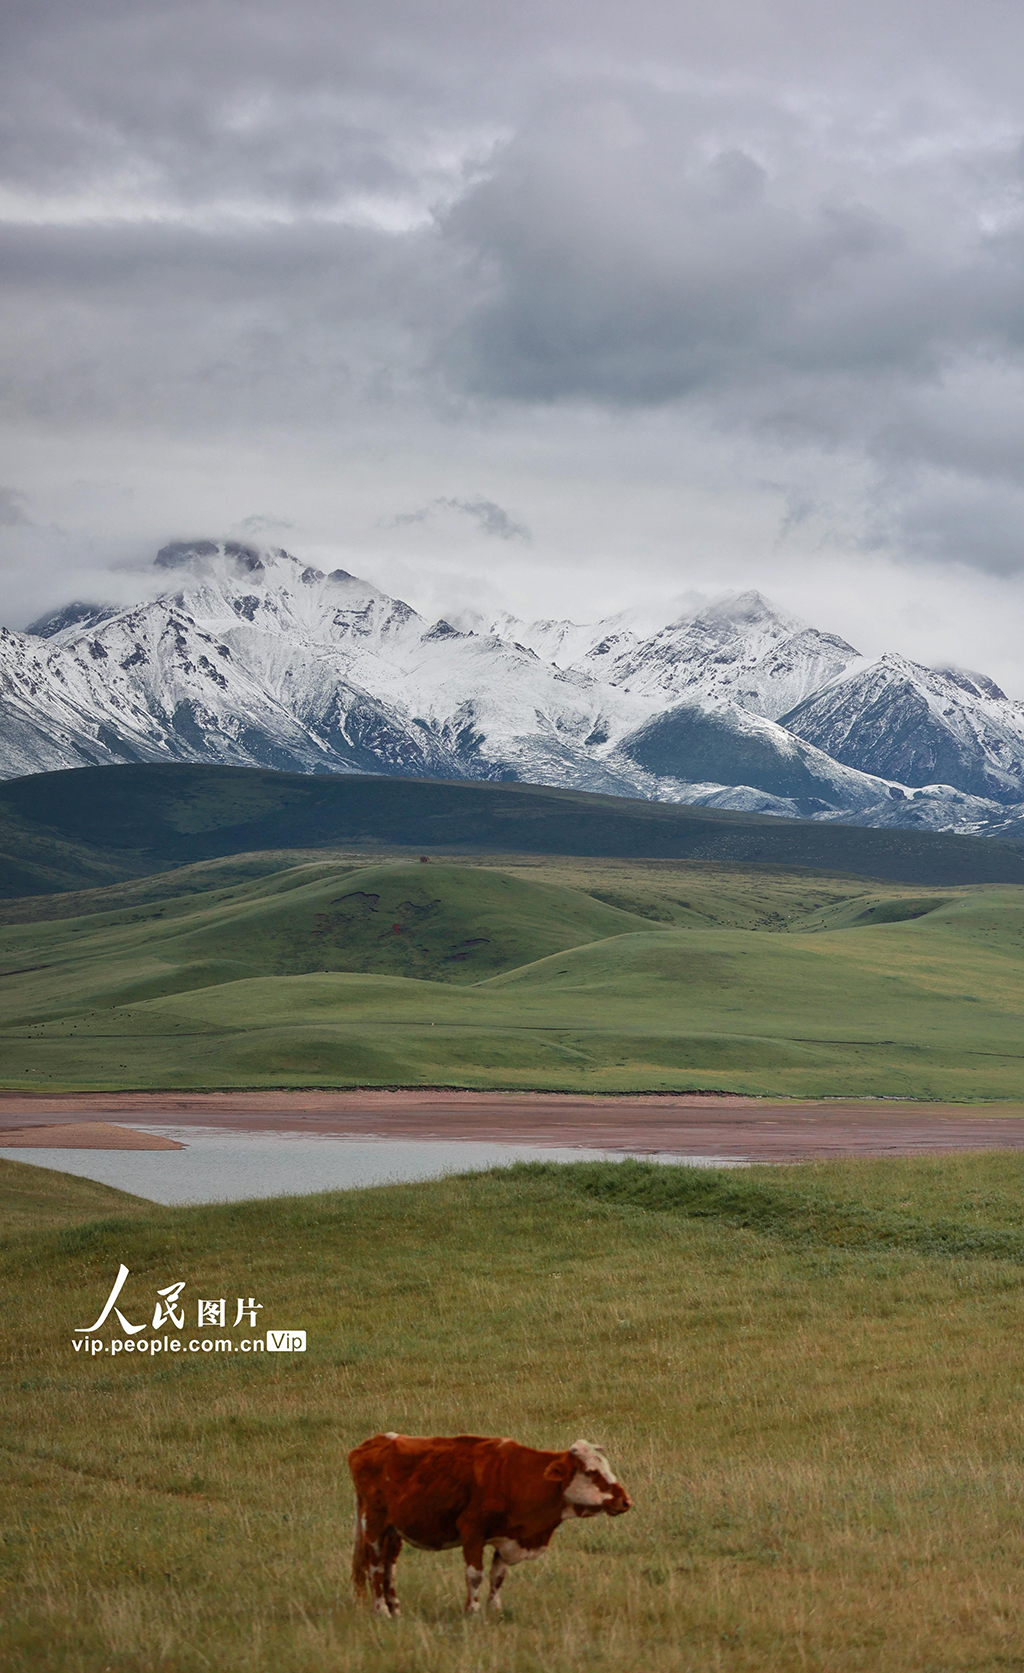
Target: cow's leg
x: 499, y: 1569
x: 359, y: 1552
x: 378, y: 1556
x: 391, y: 1546
x: 473, y: 1552
x: 507, y: 1552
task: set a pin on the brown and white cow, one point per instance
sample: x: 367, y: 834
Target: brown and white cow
x: 473, y: 1491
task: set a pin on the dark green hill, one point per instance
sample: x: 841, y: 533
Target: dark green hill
x: 95, y: 825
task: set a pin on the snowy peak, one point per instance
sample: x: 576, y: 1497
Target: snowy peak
x: 918, y: 725
x: 193, y: 554
x: 696, y: 744
x: 749, y: 610
x: 740, y: 650
x: 275, y: 612
x: 975, y: 685
x: 258, y: 657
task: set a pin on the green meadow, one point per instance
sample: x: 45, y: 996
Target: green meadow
x: 569, y: 974
x: 811, y: 1379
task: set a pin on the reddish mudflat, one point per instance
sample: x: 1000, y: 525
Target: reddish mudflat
x: 694, y: 1124
x: 82, y: 1135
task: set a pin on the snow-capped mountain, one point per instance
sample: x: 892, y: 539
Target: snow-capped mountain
x: 70, y: 615
x: 566, y: 644
x: 257, y: 659
x: 699, y: 743
x: 252, y: 657
x: 741, y: 651
x: 918, y: 725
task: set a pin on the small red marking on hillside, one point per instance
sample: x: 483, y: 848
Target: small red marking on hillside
x: 396, y: 929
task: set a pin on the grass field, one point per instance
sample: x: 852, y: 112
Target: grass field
x: 563, y: 974
x: 811, y: 1380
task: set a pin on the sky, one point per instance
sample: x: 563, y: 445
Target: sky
x: 563, y: 308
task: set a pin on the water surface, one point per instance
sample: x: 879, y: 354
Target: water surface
x: 218, y: 1165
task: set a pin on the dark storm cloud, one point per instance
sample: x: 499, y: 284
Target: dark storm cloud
x: 800, y: 224
x: 176, y: 326
x: 642, y: 269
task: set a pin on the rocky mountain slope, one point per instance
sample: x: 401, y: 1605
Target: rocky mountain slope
x: 918, y: 725
x: 250, y: 657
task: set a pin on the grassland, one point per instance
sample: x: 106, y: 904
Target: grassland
x: 562, y: 974
x: 811, y: 1379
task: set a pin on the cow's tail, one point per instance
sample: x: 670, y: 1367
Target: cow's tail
x: 359, y: 1554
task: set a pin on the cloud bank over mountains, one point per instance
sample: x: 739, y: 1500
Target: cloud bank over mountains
x: 711, y: 296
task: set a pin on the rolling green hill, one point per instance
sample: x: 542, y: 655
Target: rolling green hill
x: 572, y: 975
x: 442, y: 923
x: 101, y: 825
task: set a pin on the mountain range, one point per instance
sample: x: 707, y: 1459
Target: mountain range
x: 251, y: 657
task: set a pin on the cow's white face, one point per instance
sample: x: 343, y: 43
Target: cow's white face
x: 593, y: 1488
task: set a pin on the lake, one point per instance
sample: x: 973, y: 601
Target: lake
x: 231, y: 1166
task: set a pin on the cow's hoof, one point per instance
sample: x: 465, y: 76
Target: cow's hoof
x: 381, y: 1608
x: 473, y: 1608
x: 495, y: 1604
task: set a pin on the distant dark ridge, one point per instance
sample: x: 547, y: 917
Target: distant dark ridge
x: 95, y: 825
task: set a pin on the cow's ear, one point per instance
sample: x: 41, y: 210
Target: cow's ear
x: 562, y: 1469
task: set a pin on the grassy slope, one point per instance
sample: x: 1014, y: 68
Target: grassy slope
x: 456, y: 974
x: 818, y: 1414
x: 34, y: 1199
x: 35, y: 859
x: 687, y: 893
x: 442, y: 923
x: 157, y: 887
x: 76, y: 827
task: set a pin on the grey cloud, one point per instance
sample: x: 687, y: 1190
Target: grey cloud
x: 12, y: 509
x: 258, y: 524
x: 649, y: 272
x: 796, y: 229
x: 181, y: 330
x: 958, y: 520
x: 491, y: 518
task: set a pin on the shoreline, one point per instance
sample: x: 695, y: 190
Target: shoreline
x: 699, y: 1124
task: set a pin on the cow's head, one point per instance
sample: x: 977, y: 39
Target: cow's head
x: 590, y: 1487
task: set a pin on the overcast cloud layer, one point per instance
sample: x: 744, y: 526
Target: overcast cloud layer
x: 559, y: 307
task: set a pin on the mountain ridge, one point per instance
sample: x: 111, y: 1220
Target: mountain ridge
x: 93, y: 826
x: 251, y: 657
